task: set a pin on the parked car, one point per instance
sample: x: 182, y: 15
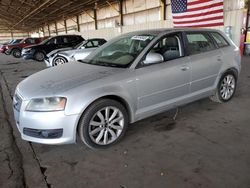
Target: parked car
x: 3, y: 48
x: 38, y: 52
x: 80, y: 51
x: 131, y: 77
x: 15, y: 49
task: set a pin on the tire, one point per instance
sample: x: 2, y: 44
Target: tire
x: 226, y: 88
x: 39, y: 56
x: 16, y: 53
x: 103, y: 132
x: 59, y: 60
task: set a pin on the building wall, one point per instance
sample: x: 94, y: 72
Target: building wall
x: 6, y: 36
x: 138, y: 15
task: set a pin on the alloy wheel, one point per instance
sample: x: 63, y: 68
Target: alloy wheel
x: 59, y: 61
x: 106, y: 125
x: 227, y: 87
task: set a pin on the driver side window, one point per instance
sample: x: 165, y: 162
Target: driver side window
x: 167, y: 48
x: 170, y: 47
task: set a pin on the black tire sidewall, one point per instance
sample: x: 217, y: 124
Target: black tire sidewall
x: 219, y: 85
x: 14, y: 53
x: 54, y: 60
x: 35, y: 56
x: 83, y: 129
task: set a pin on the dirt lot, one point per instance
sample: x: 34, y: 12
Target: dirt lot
x: 207, y: 146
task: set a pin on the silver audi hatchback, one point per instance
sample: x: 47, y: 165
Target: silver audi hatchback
x: 131, y: 77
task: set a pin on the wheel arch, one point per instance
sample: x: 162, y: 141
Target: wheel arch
x: 112, y: 97
x: 232, y: 70
x: 15, y: 48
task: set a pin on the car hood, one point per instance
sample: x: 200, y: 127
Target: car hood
x: 58, y: 50
x: 69, y: 53
x: 14, y: 45
x: 31, y: 46
x: 59, y: 79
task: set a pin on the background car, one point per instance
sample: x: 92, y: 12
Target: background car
x: 78, y: 52
x: 15, y: 49
x: 3, y: 48
x: 38, y: 52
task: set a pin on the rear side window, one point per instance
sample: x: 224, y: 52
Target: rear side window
x: 96, y: 43
x: 219, y: 39
x: 199, y: 43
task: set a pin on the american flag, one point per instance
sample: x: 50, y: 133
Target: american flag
x: 197, y: 13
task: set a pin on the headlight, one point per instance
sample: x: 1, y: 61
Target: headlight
x: 27, y: 49
x: 47, y: 104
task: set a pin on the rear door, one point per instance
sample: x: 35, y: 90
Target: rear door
x: 205, y: 60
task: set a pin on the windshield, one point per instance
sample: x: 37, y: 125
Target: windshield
x: 46, y: 40
x: 120, y: 52
x: 16, y: 41
x: 78, y: 46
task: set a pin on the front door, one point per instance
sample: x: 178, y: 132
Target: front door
x: 163, y: 83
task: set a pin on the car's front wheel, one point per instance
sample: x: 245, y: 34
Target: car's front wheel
x: 103, y: 124
x: 59, y: 60
x: 225, y: 89
x: 16, y: 53
x: 39, y: 56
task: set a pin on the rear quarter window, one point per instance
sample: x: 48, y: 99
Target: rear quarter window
x: 219, y: 39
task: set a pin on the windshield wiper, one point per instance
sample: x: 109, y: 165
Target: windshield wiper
x: 106, y: 64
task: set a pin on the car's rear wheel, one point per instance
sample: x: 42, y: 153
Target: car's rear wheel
x: 225, y: 89
x: 16, y: 53
x: 39, y: 56
x: 59, y: 60
x: 103, y: 124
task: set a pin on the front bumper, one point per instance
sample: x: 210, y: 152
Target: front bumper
x: 27, y: 54
x: 48, y: 61
x: 45, y: 127
x: 2, y: 50
x: 8, y: 51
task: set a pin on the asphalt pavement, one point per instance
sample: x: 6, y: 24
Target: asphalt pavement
x: 207, y: 145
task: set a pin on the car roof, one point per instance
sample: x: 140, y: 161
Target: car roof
x: 64, y: 36
x: 165, y: 30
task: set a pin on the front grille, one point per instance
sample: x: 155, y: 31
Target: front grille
x: 17, y: 102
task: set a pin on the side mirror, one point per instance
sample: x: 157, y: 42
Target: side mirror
x: 153, y: 58
x: 82, y: 47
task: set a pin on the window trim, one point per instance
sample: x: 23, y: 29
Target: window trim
x: 184, y: 51
x: 228, y: 44
x: 199, y: 32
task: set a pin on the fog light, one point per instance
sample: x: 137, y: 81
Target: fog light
x: 45, y: 133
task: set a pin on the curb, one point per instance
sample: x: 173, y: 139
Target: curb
x: 32, y: 172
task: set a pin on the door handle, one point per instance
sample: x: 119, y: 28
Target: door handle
x: 218, y: 58
x: 184, y: 67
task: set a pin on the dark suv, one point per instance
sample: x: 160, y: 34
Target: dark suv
x: 38, y: 52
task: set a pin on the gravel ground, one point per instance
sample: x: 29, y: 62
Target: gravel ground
x: 206, y: 146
